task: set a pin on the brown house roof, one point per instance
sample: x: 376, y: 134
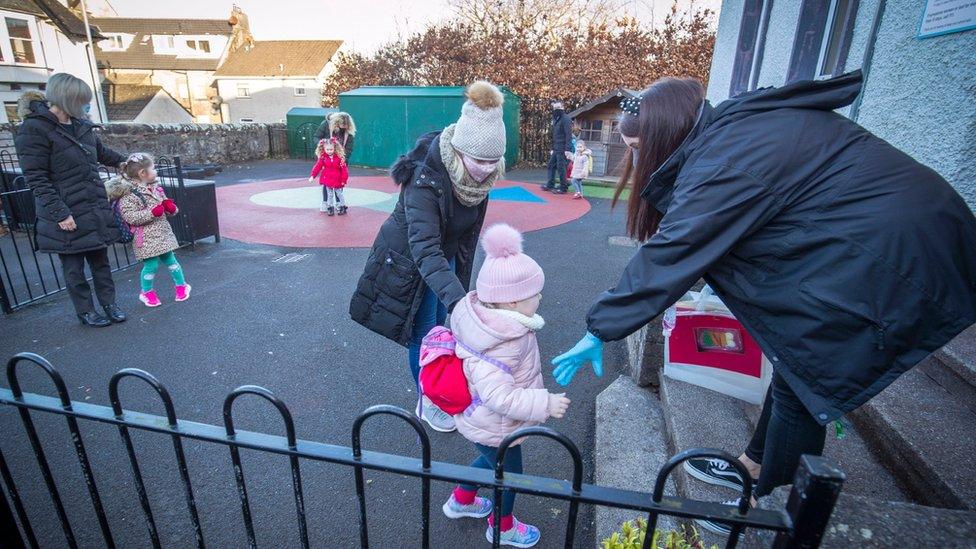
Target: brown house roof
x: 124, y: 102
x: 140, y: 54
x: 279, y: 58
x: 616, y: 94
x: 64, y: 19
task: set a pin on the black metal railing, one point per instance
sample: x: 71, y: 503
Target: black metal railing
x: 301, y: 140
x: 277, y: 141
x: 801, y: 524
x: 26, y: 275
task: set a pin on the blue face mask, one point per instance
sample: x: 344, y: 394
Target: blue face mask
x: 86, y: 108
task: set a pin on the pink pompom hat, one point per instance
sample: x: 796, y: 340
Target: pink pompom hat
x: 507, y: 275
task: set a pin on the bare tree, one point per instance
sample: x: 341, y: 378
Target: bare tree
x: 537, y: 19
x: 538, y: 60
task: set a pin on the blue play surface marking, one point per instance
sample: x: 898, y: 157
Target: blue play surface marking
x: 514, y: 194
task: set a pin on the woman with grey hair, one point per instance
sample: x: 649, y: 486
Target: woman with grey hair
x: 59, y: 155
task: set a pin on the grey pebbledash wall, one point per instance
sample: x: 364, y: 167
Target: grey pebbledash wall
x: 195, y: 143
x: 919, y: 93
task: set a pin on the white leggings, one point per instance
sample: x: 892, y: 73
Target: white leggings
x: 332, y: 197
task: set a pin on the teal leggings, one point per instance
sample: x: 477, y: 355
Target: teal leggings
x: 150, y: 265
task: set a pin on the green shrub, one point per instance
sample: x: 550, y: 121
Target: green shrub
x: 632, y: 533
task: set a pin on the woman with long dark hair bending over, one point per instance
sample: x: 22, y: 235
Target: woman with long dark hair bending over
x: 847, y: 260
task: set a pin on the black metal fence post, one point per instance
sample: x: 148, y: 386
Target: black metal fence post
x: 357, y: 454
x: 815, y: 490
x: 9, y: 533
x: 188, y: 222
x: 500, y: 476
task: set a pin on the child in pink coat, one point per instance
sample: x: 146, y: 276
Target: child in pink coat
x: 495, y: 329
x: 333, y: 175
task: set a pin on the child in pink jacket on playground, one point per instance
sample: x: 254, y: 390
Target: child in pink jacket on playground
x: 495, y: 329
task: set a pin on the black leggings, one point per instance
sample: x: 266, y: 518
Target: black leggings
x: 785, y: 431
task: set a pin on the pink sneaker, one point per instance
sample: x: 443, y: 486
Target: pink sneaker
x: 183, y: 292
x: 150, y: 298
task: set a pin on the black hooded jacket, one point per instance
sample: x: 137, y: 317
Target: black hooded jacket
x: 562, y: 132
x: 428, y: 227
x: 60, y: 163
x: 846, y: 259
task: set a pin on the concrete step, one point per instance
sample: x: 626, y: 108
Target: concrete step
x: 867, y: 523
x: 698, y: 417
x: 954, y: 367
x: 630, y: 448
x: 867, y: 475
x: 926, y: 433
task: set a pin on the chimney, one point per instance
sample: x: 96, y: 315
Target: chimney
x: 240, y: 29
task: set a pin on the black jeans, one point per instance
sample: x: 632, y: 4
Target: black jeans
x: 557, y: 163
x: 78, y: 289
x: 785, y: 431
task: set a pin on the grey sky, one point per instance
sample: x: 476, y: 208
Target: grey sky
x: 363, y: 24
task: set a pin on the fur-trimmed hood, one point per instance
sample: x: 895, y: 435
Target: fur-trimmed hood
x: 24, y: 106
x: 117, y: 186
x: 334, y: 117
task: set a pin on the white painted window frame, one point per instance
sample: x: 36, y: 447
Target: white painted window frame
x: 304, y: 90
x: 760, y: 44
x: 828, y: 35
x: 247, y: 90
x: 109, y: 44
x: 7, y: 50
x: 160, y: 43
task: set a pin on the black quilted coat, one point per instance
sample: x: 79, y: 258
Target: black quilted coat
x: 61, y: 166
x: 428, y: 227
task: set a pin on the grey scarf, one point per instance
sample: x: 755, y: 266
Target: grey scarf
x: 469, y: 192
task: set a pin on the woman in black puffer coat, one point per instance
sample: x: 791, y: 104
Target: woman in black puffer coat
x: 420, y: 264
x: 59, y: 155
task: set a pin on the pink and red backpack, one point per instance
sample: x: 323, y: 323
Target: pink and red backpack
x: 442, y: 372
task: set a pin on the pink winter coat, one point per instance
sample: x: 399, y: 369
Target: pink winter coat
x: 332, y: 171
x: 502, y: 401
x: 581, y: 165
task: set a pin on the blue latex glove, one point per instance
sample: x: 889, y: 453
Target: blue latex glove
x: 590, y: 348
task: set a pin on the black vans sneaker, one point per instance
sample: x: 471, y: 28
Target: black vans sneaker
x: 720, y: 527
x: 714, y: 471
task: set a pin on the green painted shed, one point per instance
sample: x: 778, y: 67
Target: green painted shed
x: 302, y: 123
x: 389, y: 119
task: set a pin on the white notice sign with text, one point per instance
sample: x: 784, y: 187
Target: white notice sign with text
x: 947, y: 16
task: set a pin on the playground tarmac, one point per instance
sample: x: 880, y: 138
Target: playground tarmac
x: 275, y: 315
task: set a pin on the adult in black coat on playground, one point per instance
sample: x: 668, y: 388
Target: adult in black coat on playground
x: 341, y: 127
x: 562, y: 142
x: 847, y: 260
x: 420, y: 265
x: 59, y: 154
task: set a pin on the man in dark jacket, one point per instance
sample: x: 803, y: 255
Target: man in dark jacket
x: 846, y: 259
x: 60, y: 153
x: 562, y: 142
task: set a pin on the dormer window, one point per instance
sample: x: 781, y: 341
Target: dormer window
x: 164, y: 44
x: 201, y: 46
x: 114, y: 42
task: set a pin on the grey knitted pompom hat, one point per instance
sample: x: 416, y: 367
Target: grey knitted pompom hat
x: 480, y: 132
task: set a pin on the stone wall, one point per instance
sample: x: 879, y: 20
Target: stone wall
x: 195, y: 143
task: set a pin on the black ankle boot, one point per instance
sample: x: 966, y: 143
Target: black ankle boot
x: 114, y: 313
x: 92, y: 318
